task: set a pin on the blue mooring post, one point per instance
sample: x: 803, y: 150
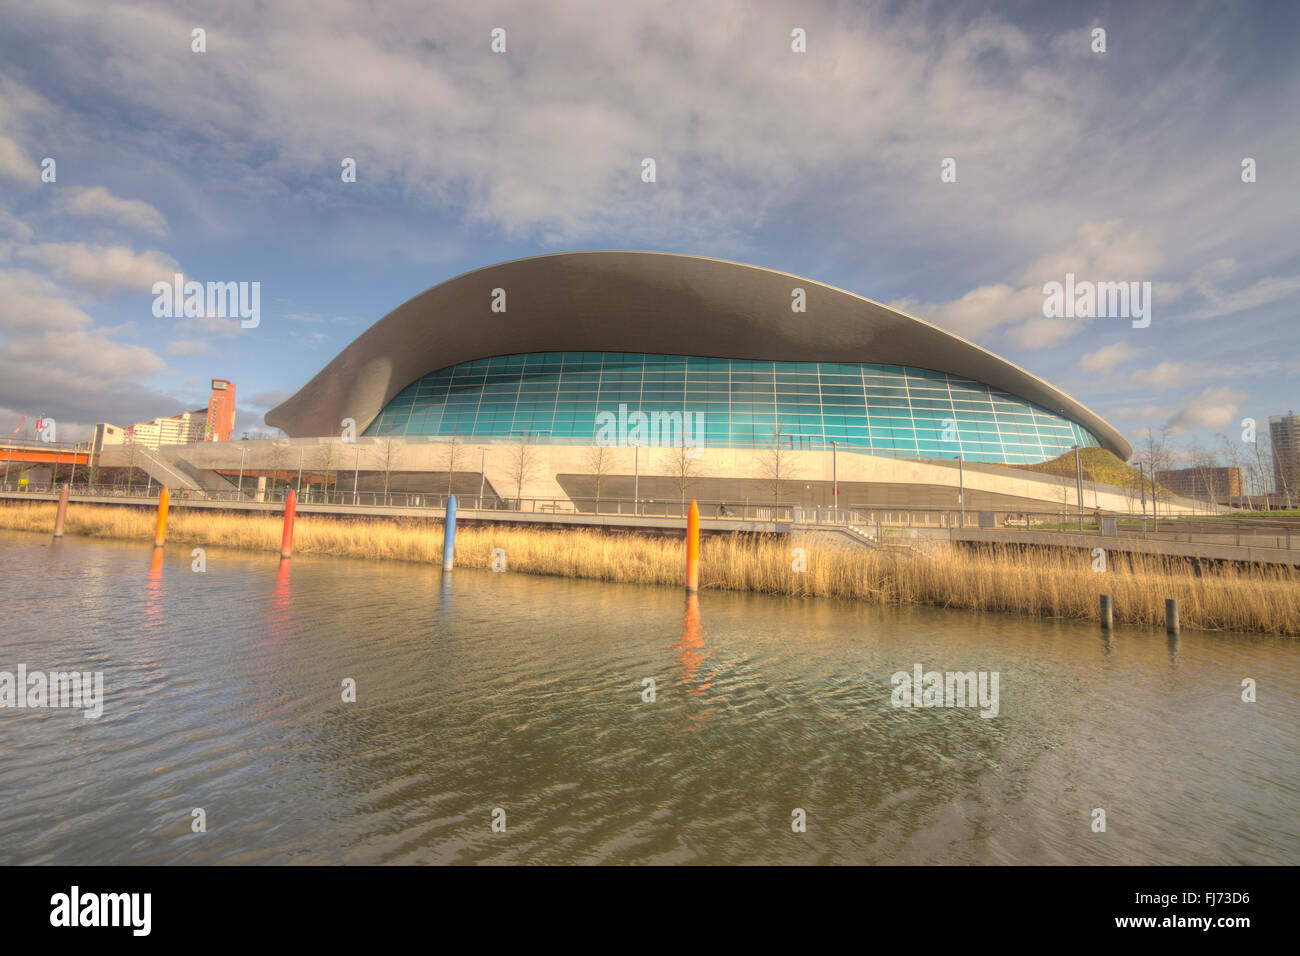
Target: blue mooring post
x: 449, y: 535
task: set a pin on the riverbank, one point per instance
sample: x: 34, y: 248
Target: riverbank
x: 1041, y: 584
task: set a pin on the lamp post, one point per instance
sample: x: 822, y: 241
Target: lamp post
x: 636, y: 479
x: 835, y: 476
x: 482, y: 474
x: 1078, y: 485
x: 356, y: 476
x: 961, y: 492
x: 243, y: 452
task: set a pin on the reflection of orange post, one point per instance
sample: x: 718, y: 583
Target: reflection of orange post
x: 62, y: 512
x: 160, y: 535
x: 693, y: 548
x: 290, y: 510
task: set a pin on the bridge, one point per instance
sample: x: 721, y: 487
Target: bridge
x: 21, y: 452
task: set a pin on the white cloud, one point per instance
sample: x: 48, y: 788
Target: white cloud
x: 1108, y: 356
x: 13, y: 226
x: 102, y: 270
x: 15, y: 164
x: 1211, y: 408
x: 52, y: 355
x: 98, y: 202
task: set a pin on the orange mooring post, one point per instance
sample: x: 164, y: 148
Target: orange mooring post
x: 160, y: 536
x: 62, y: 512
x: 290, y: 511
x: 693, y: 548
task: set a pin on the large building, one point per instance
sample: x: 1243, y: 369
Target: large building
x: 580, y: 334
x: 1284, y: 435
x: 572, y: 351
x: 1209, y: 483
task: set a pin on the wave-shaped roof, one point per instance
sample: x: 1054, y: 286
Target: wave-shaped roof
x: 650, y: 302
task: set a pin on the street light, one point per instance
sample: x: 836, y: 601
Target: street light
x: 482, y: 474
x: 961, y: 492
x: 356, y: 476
x: 1078, y: 485
x: 835, y: 476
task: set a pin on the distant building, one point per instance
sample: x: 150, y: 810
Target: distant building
x: 106, y: 434
x: 1284, y: 431
x: 221, y: 411
x: 1211, y: 484
x: 213, y: 423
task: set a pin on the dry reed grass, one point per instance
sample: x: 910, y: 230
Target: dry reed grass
x: 1045, y: 583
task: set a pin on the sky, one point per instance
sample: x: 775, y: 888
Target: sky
x: 225, y: 165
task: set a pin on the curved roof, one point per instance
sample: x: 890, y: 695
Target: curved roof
x: 651, y: 302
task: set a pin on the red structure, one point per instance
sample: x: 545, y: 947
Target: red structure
x: 221, y: 411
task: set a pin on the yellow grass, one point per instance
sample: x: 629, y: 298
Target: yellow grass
x: 1049, y: 584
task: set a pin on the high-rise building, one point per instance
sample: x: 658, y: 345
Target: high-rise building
x: 221, y: 411
x: 1284, y: 432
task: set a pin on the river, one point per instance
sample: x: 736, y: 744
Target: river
x: 488, y: 697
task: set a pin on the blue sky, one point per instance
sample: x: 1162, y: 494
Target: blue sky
x: 225, y: 165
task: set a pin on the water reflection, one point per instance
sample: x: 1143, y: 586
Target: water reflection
x: 153, y: 591
x: 280, y: 621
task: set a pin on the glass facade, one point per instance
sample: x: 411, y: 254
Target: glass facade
x: 556, y: 397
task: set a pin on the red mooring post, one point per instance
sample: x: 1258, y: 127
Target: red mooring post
x: 290, y: 511
x: 62, y: 511
x: 160, y: 535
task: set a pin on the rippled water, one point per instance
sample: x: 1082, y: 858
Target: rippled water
x: 223, y: 691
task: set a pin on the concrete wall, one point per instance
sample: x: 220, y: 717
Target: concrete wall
x: 732, y: 474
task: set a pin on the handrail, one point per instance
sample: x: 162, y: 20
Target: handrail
x: 1211, y: 528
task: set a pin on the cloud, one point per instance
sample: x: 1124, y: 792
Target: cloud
x: 265, y: 400
x: 1099, y: 252
x: 1219, y: 303
x: 102, y: 270
x: 97, y: 202
x: 11, y: 225
x: 1108, y: 356
x: 186, y: 347
x: 53, y: 360
x: 1211, y: 408
x: 30, y: 302
x: 15, y: 164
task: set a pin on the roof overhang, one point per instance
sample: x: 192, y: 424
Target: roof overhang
x: 652, y: 302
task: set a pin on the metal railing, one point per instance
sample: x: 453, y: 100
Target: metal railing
x: 876, y: 523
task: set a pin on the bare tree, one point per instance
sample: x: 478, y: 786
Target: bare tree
x: 326, y: 459
x: 453, y: 454
x: 278, y: 458
x: 683, y: 467
x: 390, y: 452
x: 522, y: 465
x: 1156, y: 454
x: 1198, y: 463
x: 777, y: 466
x: 599, y: 462
x: 1232, y: 455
